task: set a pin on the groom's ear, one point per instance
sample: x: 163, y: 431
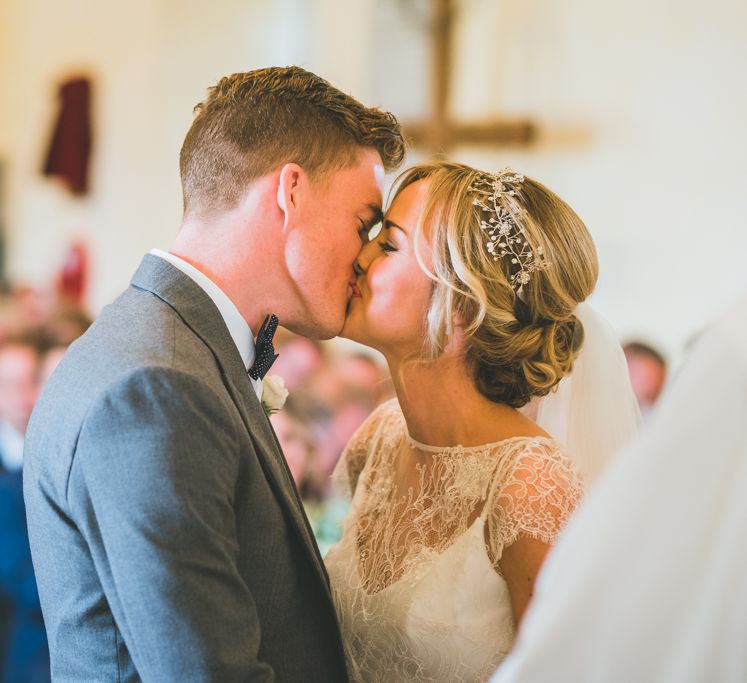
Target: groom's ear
x: 290, y: 186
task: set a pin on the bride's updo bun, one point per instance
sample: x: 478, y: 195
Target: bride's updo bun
x: 511, y: 365
x: 520, y: 337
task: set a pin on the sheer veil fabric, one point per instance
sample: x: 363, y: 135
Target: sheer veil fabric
x: 593, y: 412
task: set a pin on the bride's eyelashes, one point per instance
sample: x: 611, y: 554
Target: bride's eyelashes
x: 387, y: 246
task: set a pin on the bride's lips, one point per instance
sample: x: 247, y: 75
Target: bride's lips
x: 355, y: 293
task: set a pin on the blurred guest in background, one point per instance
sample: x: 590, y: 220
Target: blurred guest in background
x: 49, y: 361
x: 23, y: 642
x: 19, y: 362
x: 325, y: 512
x: 299, y: 359
x: 648, y: 373
x: 64, y: 323
x: 332, y: 391
x: 35, y: 331
x: 300, y: 454
x: 345, y: 392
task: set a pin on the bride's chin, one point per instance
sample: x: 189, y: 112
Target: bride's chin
x: 351, y: 330
x: 348, y: 330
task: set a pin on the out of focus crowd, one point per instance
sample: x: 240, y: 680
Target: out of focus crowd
x: 333, y: 388
x: 36, y: 327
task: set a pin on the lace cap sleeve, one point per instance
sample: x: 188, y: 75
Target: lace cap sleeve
x: 535, y: 497
x: 354, y: 457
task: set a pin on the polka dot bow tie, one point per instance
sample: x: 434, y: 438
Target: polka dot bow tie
x: 264, y: 353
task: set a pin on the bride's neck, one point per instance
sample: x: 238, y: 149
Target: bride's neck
x: 442, y: 406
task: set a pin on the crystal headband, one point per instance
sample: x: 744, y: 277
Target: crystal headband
x: 506, y: 236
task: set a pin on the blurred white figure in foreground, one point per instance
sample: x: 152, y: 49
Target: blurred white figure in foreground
x: 649, y: 582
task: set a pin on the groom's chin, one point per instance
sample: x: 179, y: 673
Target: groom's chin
x: 319, y: 327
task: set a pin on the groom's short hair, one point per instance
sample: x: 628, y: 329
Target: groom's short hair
x: 252, y: 123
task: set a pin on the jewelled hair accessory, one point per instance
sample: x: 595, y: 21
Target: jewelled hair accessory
x: 506, y: 236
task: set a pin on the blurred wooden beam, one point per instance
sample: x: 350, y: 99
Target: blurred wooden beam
x: 447, y: 135
x: 439, y: 133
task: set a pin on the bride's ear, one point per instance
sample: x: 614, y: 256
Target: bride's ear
x: 458, y: 324
x: 458, y: 338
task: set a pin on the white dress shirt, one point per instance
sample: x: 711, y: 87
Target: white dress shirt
x: 238, y: 328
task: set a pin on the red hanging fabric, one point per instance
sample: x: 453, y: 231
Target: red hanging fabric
x: 70, y: 148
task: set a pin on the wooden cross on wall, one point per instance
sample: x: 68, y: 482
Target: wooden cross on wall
x: 439, y: 133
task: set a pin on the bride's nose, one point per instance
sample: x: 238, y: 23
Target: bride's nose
x: 357, y: 270
x: 365, y: 256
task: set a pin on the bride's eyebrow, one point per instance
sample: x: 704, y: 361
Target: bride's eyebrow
x: 391, y: 224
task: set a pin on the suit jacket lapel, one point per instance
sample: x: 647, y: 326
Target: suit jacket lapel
x: 272, y: 460
x: 200, y: 314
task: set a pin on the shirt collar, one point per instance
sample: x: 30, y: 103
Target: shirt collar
x: 238, y: 328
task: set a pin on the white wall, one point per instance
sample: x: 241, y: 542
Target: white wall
x: 641, y: 108
x: 659, y: 88
x: 151, y: 61
x: 655, y: 88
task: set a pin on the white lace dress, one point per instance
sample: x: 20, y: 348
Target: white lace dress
x: 415, y: 577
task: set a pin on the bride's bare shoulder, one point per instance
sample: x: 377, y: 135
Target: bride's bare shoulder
x: 383, y: 413
x: 378, y: 425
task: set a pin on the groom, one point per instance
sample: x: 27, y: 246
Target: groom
x: 168, y: 538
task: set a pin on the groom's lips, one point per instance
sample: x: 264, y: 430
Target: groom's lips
x: 355, y: 293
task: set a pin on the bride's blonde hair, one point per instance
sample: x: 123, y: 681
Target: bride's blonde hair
x: 517, y: 346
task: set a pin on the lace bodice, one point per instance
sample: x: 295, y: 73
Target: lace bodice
x: 416, y: 576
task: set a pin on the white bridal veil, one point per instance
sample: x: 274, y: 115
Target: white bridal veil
x: 593, y: 412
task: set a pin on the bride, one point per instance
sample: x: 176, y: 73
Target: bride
x: 471, y: 291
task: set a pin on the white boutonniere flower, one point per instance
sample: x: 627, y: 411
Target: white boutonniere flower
x: 274, y: 394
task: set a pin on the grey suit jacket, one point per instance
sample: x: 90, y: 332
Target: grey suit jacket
x: 167, y: 535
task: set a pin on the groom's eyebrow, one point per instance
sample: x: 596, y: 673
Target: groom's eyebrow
x: 377, y: 215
